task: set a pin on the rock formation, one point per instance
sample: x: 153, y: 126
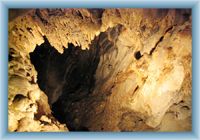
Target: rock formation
x: 100, y: 70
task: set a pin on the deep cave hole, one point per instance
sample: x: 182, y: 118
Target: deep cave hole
x: 66, y: 77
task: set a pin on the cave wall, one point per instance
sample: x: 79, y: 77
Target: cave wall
x: 142, y: 81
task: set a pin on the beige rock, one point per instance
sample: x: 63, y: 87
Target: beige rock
x: 143, y: 81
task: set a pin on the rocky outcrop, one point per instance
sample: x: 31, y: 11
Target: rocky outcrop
x: 132, y: 71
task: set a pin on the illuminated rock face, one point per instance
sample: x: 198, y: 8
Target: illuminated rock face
x: 132, y: 71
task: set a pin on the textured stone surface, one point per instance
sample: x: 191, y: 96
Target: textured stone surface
x: 142, y: 81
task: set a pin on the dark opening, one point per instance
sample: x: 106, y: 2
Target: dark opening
x: 10, y: 57
x: 66, y: 77
x: 10, y: 54
x: 138, y: 55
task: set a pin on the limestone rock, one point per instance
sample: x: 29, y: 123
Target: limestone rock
x: 132, y: 71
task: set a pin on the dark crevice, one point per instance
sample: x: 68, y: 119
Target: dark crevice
x: 186, y: 107
x: 29, y: 29
x: 39, y: 15
x: 170, y: 28
x: 79, y: 14
x: 136, y: 89
x: 18, y: 97
x: 160, y: 40
x: 153, y: 49
x: 10, y: 57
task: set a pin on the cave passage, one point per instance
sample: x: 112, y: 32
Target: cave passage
x: 66, y: 77
x: 69, y: 78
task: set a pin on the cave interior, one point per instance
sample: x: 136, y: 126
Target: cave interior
x: 120, y: 70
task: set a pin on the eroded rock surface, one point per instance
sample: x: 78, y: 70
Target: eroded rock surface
x: 100, y: 70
